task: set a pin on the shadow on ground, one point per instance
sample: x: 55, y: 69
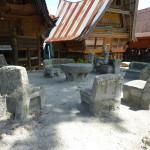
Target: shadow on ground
x: 41, y: 131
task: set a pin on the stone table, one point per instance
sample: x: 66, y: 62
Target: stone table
x: 76, y: 71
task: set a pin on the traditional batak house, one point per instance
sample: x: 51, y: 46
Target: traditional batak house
x: 85, y: 26
x: 23, y: 27
x: 140, y: 50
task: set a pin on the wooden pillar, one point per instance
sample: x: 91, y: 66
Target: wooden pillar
x: 39, y: 52
x: 15, y: 47
x: 29, y: 59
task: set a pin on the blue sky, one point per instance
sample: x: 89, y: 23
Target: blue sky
x: 52, y: 5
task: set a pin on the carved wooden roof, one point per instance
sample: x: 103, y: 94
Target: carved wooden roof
x: 41, y: 4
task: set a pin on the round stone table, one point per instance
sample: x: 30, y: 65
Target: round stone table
x: 76, y: 71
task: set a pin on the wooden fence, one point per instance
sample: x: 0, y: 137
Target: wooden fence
x: 137, y: 54
x: 25, y: 51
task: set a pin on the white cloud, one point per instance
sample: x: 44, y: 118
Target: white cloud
x: 52, y: 10
x: 142, y: 4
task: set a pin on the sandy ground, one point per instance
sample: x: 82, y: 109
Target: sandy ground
x: 65, y: 124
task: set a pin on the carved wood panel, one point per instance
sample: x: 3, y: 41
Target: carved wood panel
x: 4, y: 27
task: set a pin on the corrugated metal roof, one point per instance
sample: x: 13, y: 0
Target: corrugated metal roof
x: 143, y: 23
x: 76, y: 19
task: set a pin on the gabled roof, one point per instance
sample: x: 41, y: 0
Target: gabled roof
x: 76, y: 19
x: 143, y: 23
x: 42, y: 7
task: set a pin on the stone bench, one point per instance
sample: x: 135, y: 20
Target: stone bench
x: 52, y: 66
x: 21, y: 96
x: 134, y: 70
x: 138, y: 91
x: 105, y: 96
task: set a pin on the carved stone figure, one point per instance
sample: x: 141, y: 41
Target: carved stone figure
x: 104, y: 58
x: 91, y: 57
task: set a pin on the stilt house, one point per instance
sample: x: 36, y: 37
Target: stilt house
x: 23, y: 26
x: 140, y: 50
x: 85, y: 26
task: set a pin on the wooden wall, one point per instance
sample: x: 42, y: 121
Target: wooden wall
x: 25, y: 18
x: 30, y: 31
x: 140, y: 43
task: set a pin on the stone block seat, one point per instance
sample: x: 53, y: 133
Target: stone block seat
x: 22, y: 97
x: 113, y: 66
x: 134, y: 70
x: 138, y: 91
x: 105, y: 96
x: 52, y: 66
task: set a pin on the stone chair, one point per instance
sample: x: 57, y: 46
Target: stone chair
x: 135, y: 69
x: 113, y: 66
x: 49, y: 70
x: 105, y: 96
x: 22, y: 97
x: 2, y: 61
x: 138, y: 91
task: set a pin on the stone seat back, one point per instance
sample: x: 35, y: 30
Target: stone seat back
x: 106, y: 87
x: 105, y: 96
x: 135, y: 69
x: 56, y: 62
x: 15, y: 84
x: 138, y: 65
x: 116, y: 65
x: 2, y: 61
x: 113, y: 66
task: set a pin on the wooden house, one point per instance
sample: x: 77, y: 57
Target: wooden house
x: 139, y: 50
x: 87, y: 25
x: 23, y: 26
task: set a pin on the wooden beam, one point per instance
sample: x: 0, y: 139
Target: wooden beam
x: 109, y: 35
x: 119, y: 11
x: 100, y: 50
x: 124, y: 16
x: 110, y: 28
x: 29, y: 59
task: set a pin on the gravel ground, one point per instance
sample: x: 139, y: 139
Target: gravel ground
x: 64, y: 124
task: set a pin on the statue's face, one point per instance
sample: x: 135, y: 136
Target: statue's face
x: 104, y: 48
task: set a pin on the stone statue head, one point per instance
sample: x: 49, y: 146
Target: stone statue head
x: 104, y: 48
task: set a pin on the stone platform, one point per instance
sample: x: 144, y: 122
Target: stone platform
x: 76, y: 71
